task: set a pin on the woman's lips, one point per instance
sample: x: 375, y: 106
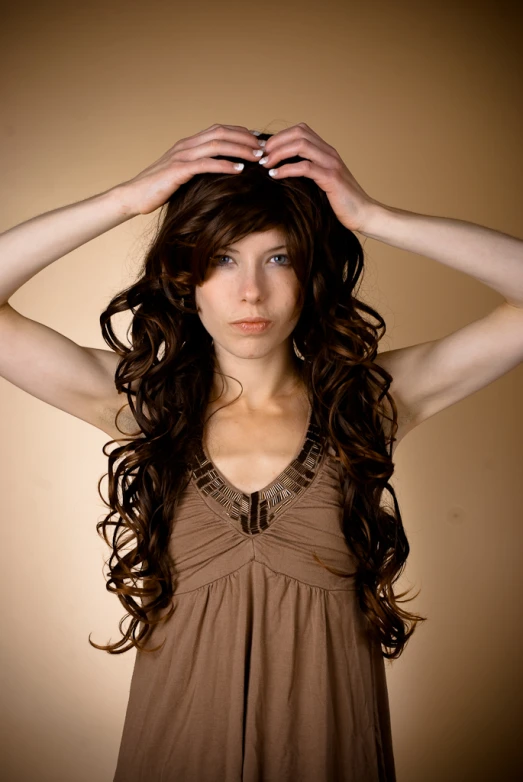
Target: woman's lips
x: 252, y: 328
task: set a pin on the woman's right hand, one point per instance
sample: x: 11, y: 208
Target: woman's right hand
x: 153, y: 186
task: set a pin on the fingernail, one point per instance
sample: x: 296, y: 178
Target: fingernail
x: 261, y: 142
x: 257, y: 152
x: 273, y: 172
x: 239, y: 166
x: 256, y: 132
x: 263, y: 159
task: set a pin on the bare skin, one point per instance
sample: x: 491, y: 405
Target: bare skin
x: 265, y: 426
x: 253, y: 436
x: 249, y: 449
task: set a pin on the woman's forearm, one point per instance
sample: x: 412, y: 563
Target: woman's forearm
x: 493, y: 258
x: 29, y: 247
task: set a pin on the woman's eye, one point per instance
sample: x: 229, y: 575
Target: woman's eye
x: 218, y: 260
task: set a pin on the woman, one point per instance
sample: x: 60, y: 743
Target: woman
x: 251, y: 548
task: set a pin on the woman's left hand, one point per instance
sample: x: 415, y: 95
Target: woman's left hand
x: 322, y: 163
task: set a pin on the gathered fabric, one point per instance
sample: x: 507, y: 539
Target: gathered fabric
x: 267, y: 673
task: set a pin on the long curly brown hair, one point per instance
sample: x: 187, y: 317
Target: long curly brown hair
x: 167, y: 374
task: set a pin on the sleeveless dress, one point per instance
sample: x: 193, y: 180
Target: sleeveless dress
x: 266, y: 674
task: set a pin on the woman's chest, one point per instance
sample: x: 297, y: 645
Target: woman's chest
x: 252, y: 450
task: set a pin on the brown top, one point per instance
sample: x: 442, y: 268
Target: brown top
x: 267, y: 674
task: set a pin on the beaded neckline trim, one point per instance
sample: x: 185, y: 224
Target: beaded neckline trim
x: 255, y: 511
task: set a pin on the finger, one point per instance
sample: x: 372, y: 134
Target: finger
x: 204, y: 165
x: 230, y: 127
x: 304, y: 168
x: 210, y: 164
x: 234, y: 127
x: 294, y: 133
x: 216, y: 147
x: 220, y: 132
x: 300, y: 147
x: 288, y: 133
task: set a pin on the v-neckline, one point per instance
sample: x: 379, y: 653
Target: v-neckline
x: 253, y: 513
x: 279, y: 477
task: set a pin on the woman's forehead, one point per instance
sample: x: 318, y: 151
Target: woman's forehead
x: 262, y: 238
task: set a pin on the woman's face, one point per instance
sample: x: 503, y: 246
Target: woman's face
x: 251, y: 278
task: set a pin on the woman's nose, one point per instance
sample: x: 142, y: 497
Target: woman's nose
x: 251, y: 286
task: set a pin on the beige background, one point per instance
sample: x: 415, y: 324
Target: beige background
x: 423, y: 101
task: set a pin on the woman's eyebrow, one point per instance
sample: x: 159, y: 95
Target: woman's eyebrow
x: 270, y: 250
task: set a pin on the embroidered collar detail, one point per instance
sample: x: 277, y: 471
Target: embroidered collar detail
x: 255, y: 511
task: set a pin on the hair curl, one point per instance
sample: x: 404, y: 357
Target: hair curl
x: 167, y: 374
